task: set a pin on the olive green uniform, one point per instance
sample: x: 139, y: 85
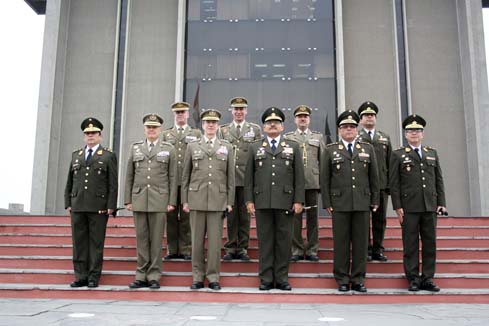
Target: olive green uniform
x: 383, y: 149
x: 91, y: 189
x: 178, y: 222
x: 274, y: 181
x: 150, y: 187
x: 350, y: 185
x: 311, y: 146
x: 238, y: 221
x: 208, y: 188
x: 416, y: 186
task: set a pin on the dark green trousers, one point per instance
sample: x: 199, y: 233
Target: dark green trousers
x: 88, y: 235
x: 312, y: 247
x: 350, y: 228
x: 378, y: 224
x: 178, y: 231
x: 414, y: 226
x: 238, y: 226
x: 274, y: 227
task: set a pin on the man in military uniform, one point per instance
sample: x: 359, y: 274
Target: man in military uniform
x: 311, y: 146
x: 150, y: 192
x: 207, y: 191
x: 178, y: 223
x: 349, y: 189
x: 240, y: 133
x: 382, y: 144
x: 90, y: 197
x: 274, y: 191
x: 417, y: 192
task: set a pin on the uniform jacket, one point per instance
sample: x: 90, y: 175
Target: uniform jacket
x: 250, y: 132
x: 311, y: 146
x: 151, y: 177
x: 92, y: 186
x: 274, y: 180
x: 208, y: 176
x: 416, y: 184
x: 349, y: 183
x: 180, y: 143
x: 383, y: 150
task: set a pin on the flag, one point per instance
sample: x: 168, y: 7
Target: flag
x: 196, y: 111
x: 327, y: 132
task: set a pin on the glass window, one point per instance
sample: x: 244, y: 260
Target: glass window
x: 273, y: 52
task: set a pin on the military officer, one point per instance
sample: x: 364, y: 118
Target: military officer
x: 382, y: 144
x: 178, y: 223
x: 90, y: 197
x: 274, y: 192
x: 417, y: 192
x: 150, y: 192
x: 207, y: 191
x: 311, y: 146
x: 349, y: 189
x: 240, y: 133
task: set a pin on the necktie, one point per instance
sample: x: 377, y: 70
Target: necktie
x: 274, y: 147
x: 180, y: 130
x: 350, y: 149
x: 151, y: 145
x: 371, y: 135
x: 89, y: 156
x: 418, y: 152
x: 238, y: 130
x: 209, y: 144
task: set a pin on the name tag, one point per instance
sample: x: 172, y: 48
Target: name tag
x: 364, y: 154
x: 431, y: 158
x: 163, y: 154
x: 288, y: 150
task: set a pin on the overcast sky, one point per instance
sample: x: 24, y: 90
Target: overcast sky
x: 21, y: 33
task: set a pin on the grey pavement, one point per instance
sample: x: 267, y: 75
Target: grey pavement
x: 42, y: 312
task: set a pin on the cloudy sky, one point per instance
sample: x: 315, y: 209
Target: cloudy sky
x: 21, y: 33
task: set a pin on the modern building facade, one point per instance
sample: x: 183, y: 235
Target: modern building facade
x: 119, y: 59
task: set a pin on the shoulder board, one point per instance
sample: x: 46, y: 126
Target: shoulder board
x: 194, y: 140
x: 254, y: 124
x: 316, y: 132
x: 168, y: 129
x: 166, y: 143
x: 138, y: 142
x: 332, y: 144
x: 291, y: 140
x: 289, y: 133
x: 359, y: 140
x: 429, y: 147
x: 225, y: 141
x: 400, y: 148
x: 108, y: 149
x: 259, y: 140
x: 225, y: 125
x: 77, y: 150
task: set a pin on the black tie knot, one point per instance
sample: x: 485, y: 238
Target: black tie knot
x: 350, y: 149
x: 89, y: 156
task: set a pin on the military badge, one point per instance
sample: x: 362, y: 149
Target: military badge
x: 222, y: 150
x: 163, y: 154
x: 99, y: 152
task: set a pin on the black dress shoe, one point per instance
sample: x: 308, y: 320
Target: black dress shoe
x: 379, y: 256
x: 214, y: 286
x: 429, y: 286
x: 153, y: 285
x: 228, y: 257
x: 359, y: 287
x: 137, y: 284
x: 344, y: 288
x: 187, y: 257
x: 285, y: 286
x: 171, y: 256
x: 92, y: 284
x: 197, y: 285
x: 312, y: 257
x: 413, y: 286
x: 296, y: 258
x: 79, y: 283
x: 242, y: 256
x: 265, y: 286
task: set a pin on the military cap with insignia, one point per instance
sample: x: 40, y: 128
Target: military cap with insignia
x: 210, y: 115
x: 368, y: 108
x: 414, y: 121
x: 349, y: 117
x: 180, y: 106
x: 239, y: 102
x: 91, y: 125
x: 152, y: 119
x: 302, y: 109
x: 272, y: 113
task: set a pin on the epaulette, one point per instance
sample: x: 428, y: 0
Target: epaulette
x: 332, y: 144
x: 254, y: 124
x: 77, y: 150
x: 225, y: 141
x: 225, y: 125
x: 400, y: 148
x: 316, y: 132
x: 289, y: 133
x: 194, y: 140
x: 138, y: 142
x: 168, y: 129
x: 359, y: 140
x: 292, y: 139
x: 166, y: 143
x: 108, y: 149
x: 429, y: 147
x: 263, y: 138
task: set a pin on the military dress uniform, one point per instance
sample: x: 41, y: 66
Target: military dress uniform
x: 238, y: 222
x: 274, y: 181
x: 208, y: 188
x: 178, y: 223
x: 311, y: 146
x: 91, y: 189
x: 349, y: 184
x: 416, y: 184
x: 151, y: 186
x: 383, y: 149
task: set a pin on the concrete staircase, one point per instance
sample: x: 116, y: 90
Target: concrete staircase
x: 35, y: 262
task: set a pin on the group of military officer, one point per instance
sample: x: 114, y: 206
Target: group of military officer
x: 188, y: 181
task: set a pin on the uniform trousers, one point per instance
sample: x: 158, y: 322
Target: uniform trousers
x: 149, y: 237
x: 178, y: 230
x: 379, y: 222
x: 274, y: 228
x: 350, y: 228
x: 202, y: 223
x: 238, y: 226
x: 298, y: 248
x: 88, y: 235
